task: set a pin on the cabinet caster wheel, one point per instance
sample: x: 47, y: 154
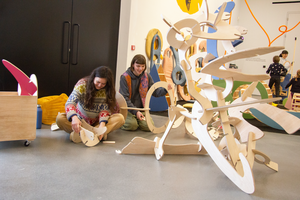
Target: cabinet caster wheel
x: 27, y: 143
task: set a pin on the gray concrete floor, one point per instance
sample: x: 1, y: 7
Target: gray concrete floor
x: 53, y: 167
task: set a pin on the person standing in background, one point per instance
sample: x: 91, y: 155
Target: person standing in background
x: 275, y: 69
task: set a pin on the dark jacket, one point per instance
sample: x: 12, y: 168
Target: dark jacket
x: 275, y: 69
x: 135, y: 100
x: 295, y: 85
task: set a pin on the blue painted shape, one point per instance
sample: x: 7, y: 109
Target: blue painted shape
x: 268, y: 121
x: 177, y: 69
x: 211, y: 45
x: 237, y: 42
x: 155, y: 52
x: 157, y: 103
x: 265, y: 119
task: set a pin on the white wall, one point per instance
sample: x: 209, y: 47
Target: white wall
x: 270, y: 16
x: 138, y: 17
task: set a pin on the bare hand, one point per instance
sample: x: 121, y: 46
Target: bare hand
x: 140, y: 116
x: 170, y: 87
x: 76, y: 123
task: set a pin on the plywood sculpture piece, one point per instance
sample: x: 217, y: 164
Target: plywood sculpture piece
x: 19, y: 111
x: 236, y: 152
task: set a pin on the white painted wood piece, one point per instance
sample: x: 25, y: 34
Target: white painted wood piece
x: 245, y: 182
x: 227, y: 44
x: 212, y: 67
x: 158, y: 149
x: 211, y: 91
x: 86, y: 140
x: 243, y: 127
x: 33, y: 79
x: 89, y: 134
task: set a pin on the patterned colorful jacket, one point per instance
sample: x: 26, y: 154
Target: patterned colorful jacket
x: 75, y: 105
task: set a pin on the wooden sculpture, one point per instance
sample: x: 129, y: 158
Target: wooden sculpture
x: 236, y: 151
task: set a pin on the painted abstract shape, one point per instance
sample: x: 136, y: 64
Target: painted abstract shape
x: 27, y: 87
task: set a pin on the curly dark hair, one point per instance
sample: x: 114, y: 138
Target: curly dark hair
x: 101, y: 72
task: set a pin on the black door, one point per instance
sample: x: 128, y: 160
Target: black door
x: 96, y: 22
x: 58, y: 40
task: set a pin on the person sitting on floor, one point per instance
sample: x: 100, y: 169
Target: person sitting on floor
x: 91, y: 105
x: 134, y: 85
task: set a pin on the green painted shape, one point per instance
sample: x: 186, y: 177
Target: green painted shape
x: 284, y: 101
x: 260, y: 87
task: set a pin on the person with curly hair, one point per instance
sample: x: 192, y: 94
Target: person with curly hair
x: 275, y: 69
x: 92, y: 105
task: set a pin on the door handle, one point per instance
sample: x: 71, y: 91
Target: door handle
x: 75, y: 44
x: 65, y: 42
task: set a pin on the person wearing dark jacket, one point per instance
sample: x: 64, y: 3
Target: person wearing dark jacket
x: 295, y: 83
x: 275, y: 69
x: 134, y: 85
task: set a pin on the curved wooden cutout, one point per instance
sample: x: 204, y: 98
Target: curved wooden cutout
x: 183, y: 44
x: 85, y: 139
x: 159, y: 151
x: 245, y: 182
x: 156, y: 85
x: 267, y: 161
x: 213, y: 66
x: 189, y: 128
x: 122, y: 103
x: 205, y: 103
